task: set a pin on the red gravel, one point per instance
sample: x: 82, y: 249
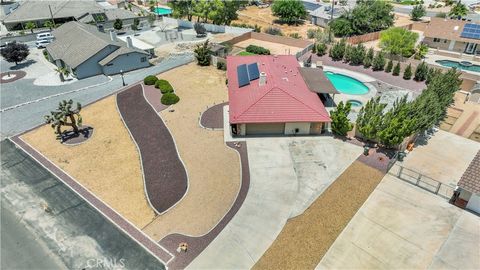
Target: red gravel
x: 20, y: 74
x: 213, y: 116
x: 165, y: 176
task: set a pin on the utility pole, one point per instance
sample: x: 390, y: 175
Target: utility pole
x: 51, y: 15
x: 331, y: 19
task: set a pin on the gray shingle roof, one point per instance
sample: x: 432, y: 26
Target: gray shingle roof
x: 77, y: 42
x: 317, y: 81
x: 470, y: 180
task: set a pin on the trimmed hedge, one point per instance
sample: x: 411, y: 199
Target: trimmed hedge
x: 164, y: 86
x: 169, y: 99
x: 150, y: 80
x: 257, y: 50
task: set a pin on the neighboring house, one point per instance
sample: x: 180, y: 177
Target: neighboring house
x: 87, y: 11
x: 86, y: 52
x: 321, y: 13
x: 452, y: 35
x: 468, y: 188
x: 268, y: 96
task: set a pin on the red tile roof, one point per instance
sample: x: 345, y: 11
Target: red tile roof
x: 284, y: 98
x: 470, y: 180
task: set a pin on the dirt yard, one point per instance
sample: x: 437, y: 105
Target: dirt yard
x: 213, y: 169
x: 263, y: 17
x: 305, y: 239
x: 107, y: 164
x: 275, y: 48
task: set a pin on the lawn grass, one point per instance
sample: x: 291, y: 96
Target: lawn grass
x: 305, y: 239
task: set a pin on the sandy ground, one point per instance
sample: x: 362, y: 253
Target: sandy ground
x: 275, y: 48
x: 264, y: 18
x: 402, y: 19
x: 108, y: 164
x: 213, y: 169
x: 469, y: 120
x: 305, y: 239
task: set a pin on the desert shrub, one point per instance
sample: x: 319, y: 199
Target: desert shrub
x: 164, y: 86
x: 221, y: 66
x: 295, y: 35
x: 150, y: 80
x: 169, y: 99
x: 407, y: 74
x: 321, y: 49
x: 389, y: 67
x: 396, y: 69
x: 257, y: 50
x: 274, y: 31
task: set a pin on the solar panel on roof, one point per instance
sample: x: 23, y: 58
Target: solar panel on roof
x: 253, y: 71
x: 242, y: 75
x: 471, y: 30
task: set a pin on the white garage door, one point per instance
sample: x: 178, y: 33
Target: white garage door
x: 474, y: 203
x: 266, y: 129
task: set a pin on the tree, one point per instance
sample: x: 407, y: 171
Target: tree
x: 340, y: 123
x: 426, y: 111
x: 118, y: 24
x: 421, y: 51
x: 369, y: 119
x: 366, y: 17
x: 367, y: 62
x: 458, y: 10
x: 62, y: 73
x: 407, y: 73
x: 136, y: 23
x: 398, y: 41
x: 15, y: 52
x: 421, y: 72
x: 203, y: 53
x: 200, y: 29
x: 49, y: 24
x: 418, y: 12
x: 348, y: 53
x: 182, y: 8
x: 30, y: 26
x: 289, y: 11
x: 65, y: 115
x: 389, y: 67
x: 432, y: 72
x: 378, y: 62
x: 445, y: 85
x: 337, y: 51
x: 396, y: 69
x: 357, y: 54
x: 396, y: 124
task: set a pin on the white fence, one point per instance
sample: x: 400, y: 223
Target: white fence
x: 213, y: 28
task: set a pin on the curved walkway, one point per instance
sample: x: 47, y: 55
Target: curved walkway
x: 165, y: 176
x: 213, y: 117
x: 197, y: 244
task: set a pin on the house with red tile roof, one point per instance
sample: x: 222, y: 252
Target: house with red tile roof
x: 268, y: 96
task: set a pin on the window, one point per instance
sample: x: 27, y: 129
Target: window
x: 445, y: 41
x: 143, y: 59
x: 436, y: 40
x: 109, y: 64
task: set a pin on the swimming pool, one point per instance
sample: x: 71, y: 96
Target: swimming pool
x: 346, y: 84
x: 458, y: 65
x: 355, y: 103
x: 163, y: 11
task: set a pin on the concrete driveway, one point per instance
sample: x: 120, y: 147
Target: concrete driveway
x: 286, y: 176
x: 402, y: 226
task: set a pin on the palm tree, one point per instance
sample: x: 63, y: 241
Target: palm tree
x: 458, y: 10
x: 62, y: 73
x: 30, y: 26
x: 49, y: 24
x: 65, y: 115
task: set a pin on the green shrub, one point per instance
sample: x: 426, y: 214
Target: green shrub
x: 421, y: 72
x: 164, y: 86
x: 337, y: 51
x: 378, y: 62
x: 274, y: 31
x: 396, y: 69
x: 244, y: 53
x: 295, y: 35
x: 257, y: 50
x: 321, y: 49
x: 169, y: 99
x: 150, y: 80
x: 221, y: 66
x: 357, y: 54
x: 389, y: 67
x: 367, y: 61
x: 407, y: 74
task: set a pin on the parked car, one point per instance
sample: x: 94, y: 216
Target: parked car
x: 42, y: 43
x: 45, y: 36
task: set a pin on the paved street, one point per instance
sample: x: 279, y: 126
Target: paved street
x: 22, y: 118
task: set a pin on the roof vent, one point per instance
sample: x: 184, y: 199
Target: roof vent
x: 129, y: 42
x: 113, y: 35
x: 263, y: 79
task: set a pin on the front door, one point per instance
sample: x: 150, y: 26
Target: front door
x: 470, y: 48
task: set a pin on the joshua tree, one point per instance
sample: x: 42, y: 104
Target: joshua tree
x: 65, y: 115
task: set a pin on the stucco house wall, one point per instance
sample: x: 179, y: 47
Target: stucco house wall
x: 445, y: 44
x: 126, y: 62
x: 91, y: 67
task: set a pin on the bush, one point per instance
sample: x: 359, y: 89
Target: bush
x: 203, y: 53
x: 314, y: 48
x: 407, y: 74
x: 347, y: 55
x: 295, y: 35
x: 221, y: 66
x: 421, y: 72
x: 357, y: 54
x: 169, y: 99
x: 257, y: 50
x: 367, y: 61
x: 274, y: 31
x: 389, y: 67
x: 337, y: 51
x: 200, y: 30
x: 321, y: 49
x: 164, y: 86
x: 378, y: 62
x: 150, y: 80
x: 396, y: 69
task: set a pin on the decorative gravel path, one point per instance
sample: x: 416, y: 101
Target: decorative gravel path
x: 213, y: 116
x: 153, y: 95
x: 18, y: 75
x: 165, y: 176
x: 197, y: 244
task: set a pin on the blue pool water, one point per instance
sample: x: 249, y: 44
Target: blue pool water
x: 455, y: 64
x: 355, y: 103
x: 163, y: 11
x: 346, y: 84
